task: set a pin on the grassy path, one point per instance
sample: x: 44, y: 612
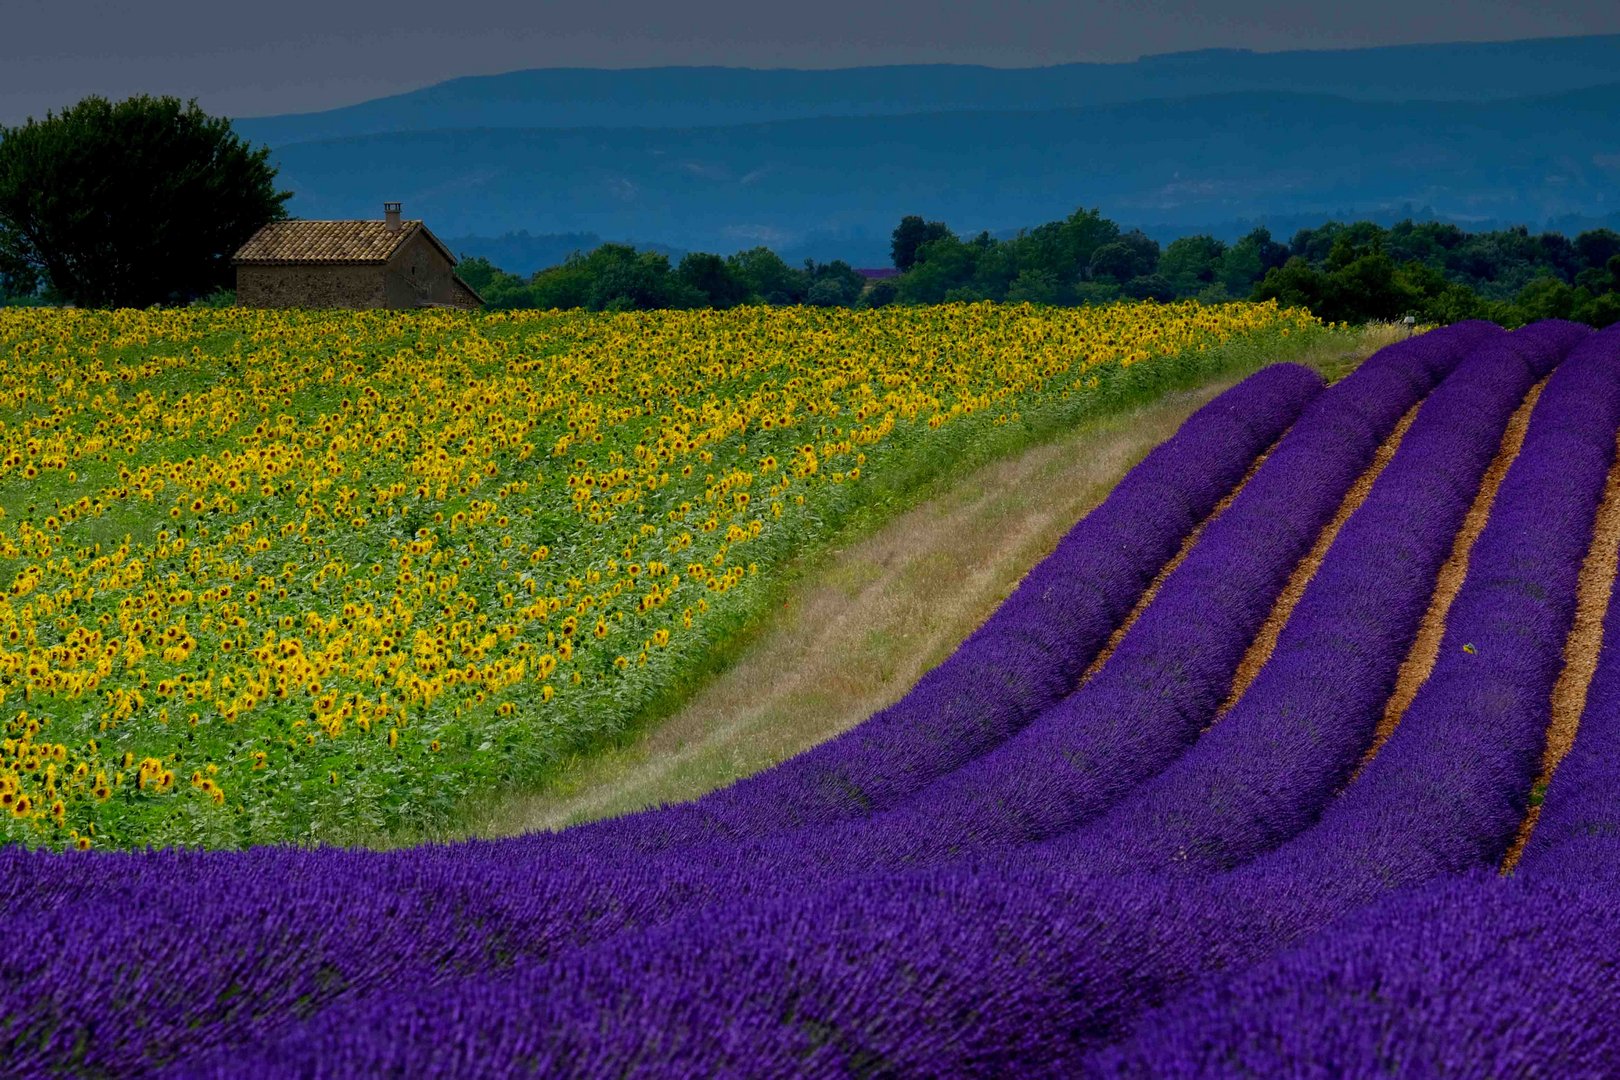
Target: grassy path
x: 870, y: 617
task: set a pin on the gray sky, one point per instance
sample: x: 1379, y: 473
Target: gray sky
x: 303, y: 55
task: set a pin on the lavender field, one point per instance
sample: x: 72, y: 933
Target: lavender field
x: 1300, y: 755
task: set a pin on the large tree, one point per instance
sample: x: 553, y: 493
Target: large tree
x: 909, y: 237
x: 130, y: 204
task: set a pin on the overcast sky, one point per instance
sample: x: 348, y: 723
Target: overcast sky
x: 303, y: 55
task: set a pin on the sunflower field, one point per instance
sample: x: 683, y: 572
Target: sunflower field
x: 319, y: 576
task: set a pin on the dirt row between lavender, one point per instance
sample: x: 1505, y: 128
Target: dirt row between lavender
x: 875, y: 615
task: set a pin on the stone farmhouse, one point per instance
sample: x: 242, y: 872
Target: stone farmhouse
x: 349, y: 264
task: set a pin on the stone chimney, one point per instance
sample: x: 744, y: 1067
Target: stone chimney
x: 391, y: 216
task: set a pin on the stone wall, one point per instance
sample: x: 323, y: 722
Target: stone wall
x: 463, y: 296
x: 419, y: 274
x: 310, y: 286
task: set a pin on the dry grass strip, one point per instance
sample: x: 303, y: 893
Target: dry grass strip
x: 1265, y: 642
x: 1169, y: 568
x: 1580, y: 649
x: 1420, y: 658
x: 865, y: 624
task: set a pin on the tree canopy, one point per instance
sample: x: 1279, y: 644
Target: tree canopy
x: 129, y: 204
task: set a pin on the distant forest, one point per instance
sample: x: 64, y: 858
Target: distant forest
x: 1342, y: 272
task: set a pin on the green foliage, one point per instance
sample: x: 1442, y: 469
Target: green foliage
x: 219, y: 298
x: 882, y: 293
x: 1438, y: 273
x: 942, y: 265
x: 1248, y: 261
x: 833, y: 284
x: 769, y: 280
x: 479, y: 273
x: 909, y: 238
x: 1149, y: 287
x: 1191, y: 262
x: 1034, y: 286
x: 1131, y: 255
x: 713, y: 278
x: 1341, y: 272
x: 129, y: 204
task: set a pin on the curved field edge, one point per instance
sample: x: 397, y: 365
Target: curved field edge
x: 850, y: 628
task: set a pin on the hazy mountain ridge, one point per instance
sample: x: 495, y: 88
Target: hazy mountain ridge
x: 1212, y: 158
x: 711, y: 96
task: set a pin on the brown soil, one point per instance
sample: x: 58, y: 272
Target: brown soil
x: 1425, y: 648
x: 1580, y: 648
x: 1265, y: 641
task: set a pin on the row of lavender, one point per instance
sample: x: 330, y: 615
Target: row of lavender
x: 1013, y: 922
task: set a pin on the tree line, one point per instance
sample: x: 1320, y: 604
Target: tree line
x: 617, y: 277
x: 1342, y: 272
x: 144, y: 201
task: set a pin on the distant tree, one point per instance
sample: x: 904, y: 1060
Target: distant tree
x: 910, y: 235
x: 1546, y: 298
x: 1597, y: 246
x: 1096, y: 292
x: 478, y: 272
x: 1082, y: 233
x: 1294, y: 284
x: 1600, y: 311
x: 623, y: 279
x: 499, y: 288
x: 881, y: 294
x: 1190, y: 262
x: 768, y: 278
x: 556, y: 288
x: 995, y: 270
x: 1035, y: 287
x: 131, y: 204
x: 1454, y: 303
x: 1368, y: 288
x: 1313, y: 245
x: 832, y: 284
x: 1149, y: 287
x: 711, y: 276
x: 1057, y: 255
x: 1559, y: 254
x: 1246, y: 263
x: 828, y: 293
x: 1352, y: 242
x: 942, y: 265
x: 1132, y: 255
x: 1428, y: 241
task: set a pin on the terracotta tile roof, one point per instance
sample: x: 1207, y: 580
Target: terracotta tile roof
x: 326, y: 242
